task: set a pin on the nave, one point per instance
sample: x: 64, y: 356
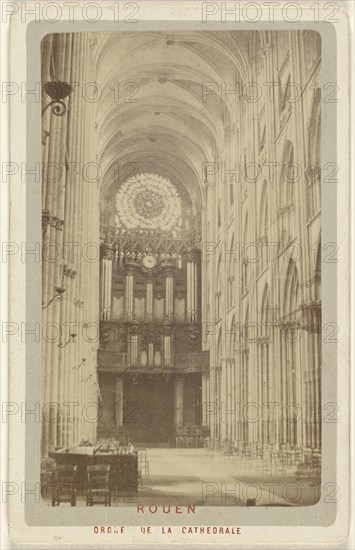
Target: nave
x: 192, y: 192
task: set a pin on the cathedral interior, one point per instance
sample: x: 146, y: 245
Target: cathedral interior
x: 187, y: 210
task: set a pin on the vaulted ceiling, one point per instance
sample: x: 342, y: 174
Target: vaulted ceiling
x: 152, y: 116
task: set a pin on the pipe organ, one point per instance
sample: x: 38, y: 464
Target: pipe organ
x: 165, y: 296
x: 150, y: 334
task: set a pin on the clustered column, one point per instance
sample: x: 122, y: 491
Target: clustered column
x: 169, y: 293
x: 119, y: 401
x: 70, y: 250
x: 106, y: 281
x: 192, y: 286
x: 168, y: 345
x: 129, y: 305
x: 149, y: 310
x: 276, y: 374
x: 205, y: 399
x: 178, y: 401
x: 312, y: 316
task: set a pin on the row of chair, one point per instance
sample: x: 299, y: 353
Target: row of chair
x: 65, y: 485
x: 273, y: 459
x: 99, y: 486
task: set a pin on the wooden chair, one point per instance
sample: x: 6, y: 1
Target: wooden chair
x: 316, y: 463
x: 98, y: 490
x: 259, y: 452
x: 143, y: 463
x: 266, y: 467
x: 47, y: 469
x: 65, y: 485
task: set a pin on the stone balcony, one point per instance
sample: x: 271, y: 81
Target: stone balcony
x: 109, y: 361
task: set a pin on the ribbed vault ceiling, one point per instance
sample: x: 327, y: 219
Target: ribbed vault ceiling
x: 160, y: 124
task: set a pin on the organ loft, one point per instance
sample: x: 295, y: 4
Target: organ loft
x: 150, y: 361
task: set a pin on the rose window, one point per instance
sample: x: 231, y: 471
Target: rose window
x: 148, y: 201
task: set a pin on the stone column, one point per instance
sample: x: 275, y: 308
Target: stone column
x: 205, y: 399
x: 259, y: 391
x: 223, y: 399
x: 212, y: 398
x: 129, y: 296
x: 237, y: 386
x: 68, y: 204
x: 178, y: 401
x: 312, y: 385
x: 149, y: 299
x: 167, y: 350
x: 67, y: 364
x: 208, y: 395
x: 53, y: 200
x: 192, y: 286
x: 75, y: 207
x: 218, y: 403
x: 79, y: 226
x: 233, y: 397
x: 132, y: 335
x: 71, y: 235
x: 168, y: 347
x: 245, y: 396
x: 169, y: 293
x: 119, y: 401
x: 274, y: 373
x: 106, y: 281
x: 299, y: 393
x: 150, y: 354
x: 317, y: 346
x: 292, y: 378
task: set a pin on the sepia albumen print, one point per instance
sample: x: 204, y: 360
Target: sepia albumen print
x: 181, y: 269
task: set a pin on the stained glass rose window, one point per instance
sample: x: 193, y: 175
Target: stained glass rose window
x: 148, y: 201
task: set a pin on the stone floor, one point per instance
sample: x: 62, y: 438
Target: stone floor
x: 202, y: 478
x: 199, y: 477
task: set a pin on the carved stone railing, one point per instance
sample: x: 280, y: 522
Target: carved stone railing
x: 183, y: 362
x: 112, y: 361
